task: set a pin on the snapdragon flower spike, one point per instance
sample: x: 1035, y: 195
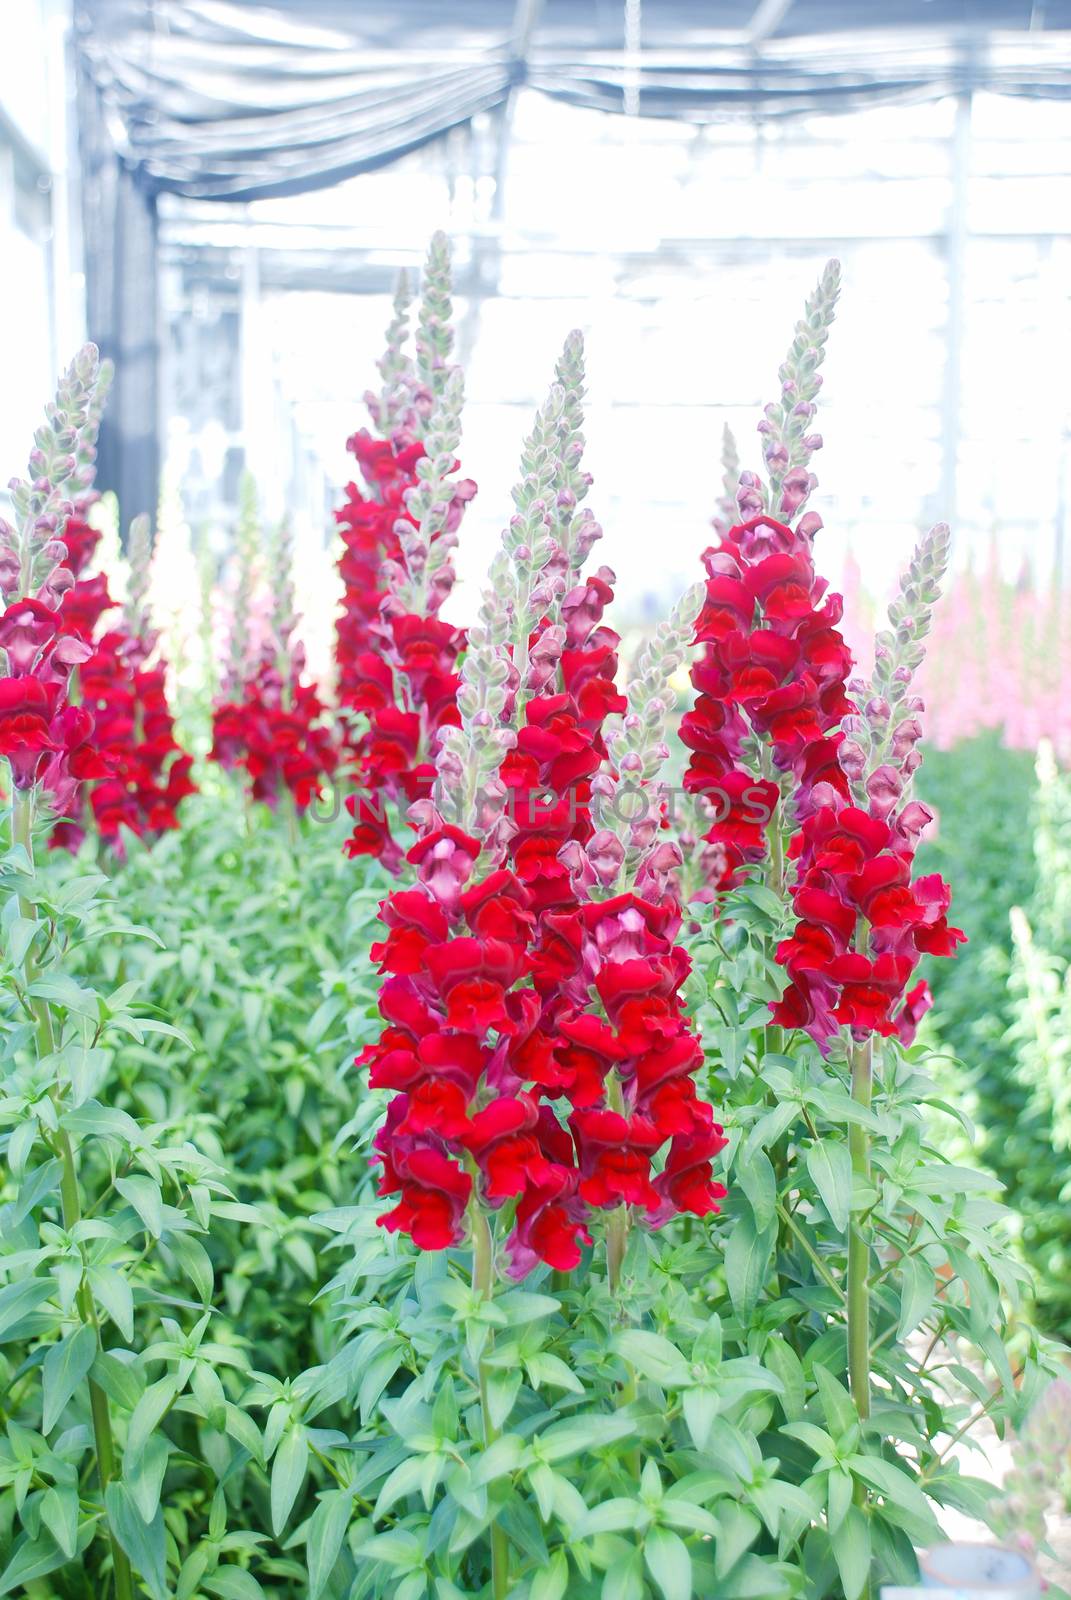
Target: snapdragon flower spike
x: 463, y: 1127
x: 46, y: 741
x: 773, y: 673
x: 395, y: 367
x: 487, y: 860
x: 626, y: 1057
x: 274, y: 726
x: 863, y: 922
x: 788, y: 443
x: 246, y: 554
x: 372, y: 522
x: 146, y: 771
x: 629, y: 794
x: 564, y: 658
x: 774, y: 667
x: 725, y: 517
x: 410, y: 681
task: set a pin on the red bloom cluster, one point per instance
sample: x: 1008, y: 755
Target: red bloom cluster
x: 396, y: 668
x: 854, y: 875
x: 87, y: 599
x: 145, y: 773
x: 773, y: 666
x: 148, y: 770
x: 560, y: 746
x: 369, y: 539
x: 477, y: 1075
x: 458, y: 1022
x: 408, y: 691
x: 275, y: 730
x: 45, y: 740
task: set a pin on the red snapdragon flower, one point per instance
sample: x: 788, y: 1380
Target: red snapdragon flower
x: 275, y: 730
x: 773, y: 668
x: 41, y: 739
x: 457, y: 1011
x: 396, y: 669
x: 863, y: 924
x: 143, y: 771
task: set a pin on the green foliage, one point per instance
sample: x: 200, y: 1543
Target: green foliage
x: 280, y: 1430
x: 694, y: 1433
x: 198, y: 1075
x: 1002, y: 1007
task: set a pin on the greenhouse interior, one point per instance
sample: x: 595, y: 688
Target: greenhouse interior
x: 535, y: 871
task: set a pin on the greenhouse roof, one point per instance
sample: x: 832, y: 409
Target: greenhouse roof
x: 217, y: 100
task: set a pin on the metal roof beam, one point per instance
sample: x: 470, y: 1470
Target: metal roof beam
x: 766, y: 19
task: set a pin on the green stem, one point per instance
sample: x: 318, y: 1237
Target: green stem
x: 616, y: 1243
x: 862, y: 1063
x: 617, y: 1230
x: 858, y: 1243
x: 71, y: 1203
x: 776, y: 838
x: 483, y: 1281
x: 617, y: 1221
x: 816, y: 1260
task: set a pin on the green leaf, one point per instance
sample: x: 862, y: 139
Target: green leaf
x: 747, y: 1256
x: 63, y: 991
x: 381, y: 1370
x: 241, y: 1427
x: 398, y: 1548
x: 785, y: 1364
x: 669, y: 1563
x: 149, y: 1412
x: 894, y: 1484
x: 145, y: 1474
x: 552, y: 1582
x: 838, y: 1497
x: 150, y: 1025
x: 33, y: 1186
x: 570, y: 1438
x: 196, y: 1263
x: 653, y: 1356
x: 739, y: 1528
x: 701, y: 1406
x: 624, y: 1578
x: 917, y: 1294
x: 17, y: 1300
x: 323, y: 1541
x: 840, y: 1414
x: 63, y: 1369
x: 851, y: 1551
x: 111, y: 1290
x: 20, y: 931
x: 104, y: 1121
x: 59, y: 1513
x: 143, y: 1542
x: 830, y: 1166
x: 612, y: 1516
x: 233, y: 1583
x: 407, y: 1478
x: 756, y: 1178
x: 144, y: 1195
x: 552, y: 1370
x: 120, y: 1380
x: 287, y: 1476
x: 502, y: 1391
x: 34, y: 1558
x: 521, y: 1306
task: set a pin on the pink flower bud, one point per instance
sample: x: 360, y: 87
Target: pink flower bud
x: 884, y: 788
x: 852, y: 759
